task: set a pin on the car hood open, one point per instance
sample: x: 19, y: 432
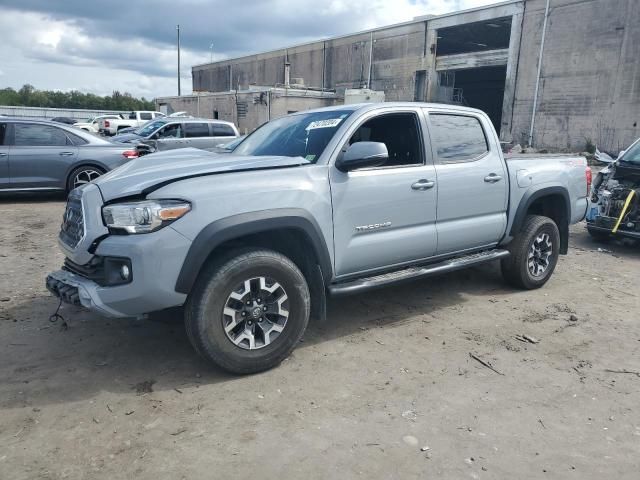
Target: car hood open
x: 148, y: 173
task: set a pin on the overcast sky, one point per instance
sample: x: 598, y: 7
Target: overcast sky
x: 101, y: 46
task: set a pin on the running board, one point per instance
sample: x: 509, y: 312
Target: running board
x: 377, y: 281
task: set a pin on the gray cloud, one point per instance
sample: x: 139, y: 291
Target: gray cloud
x: 138, y: 36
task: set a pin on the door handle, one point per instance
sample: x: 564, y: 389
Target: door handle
x: 423, y: 184
x: 66, y: 154
x: 3, y: 154
x: 493, y: 178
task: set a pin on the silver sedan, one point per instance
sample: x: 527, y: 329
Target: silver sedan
x: 42, y: 155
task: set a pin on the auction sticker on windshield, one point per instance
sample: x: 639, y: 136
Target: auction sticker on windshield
x: 329, y: 123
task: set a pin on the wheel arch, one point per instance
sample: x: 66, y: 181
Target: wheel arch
x: 292, y: 232
x: 553, y: 202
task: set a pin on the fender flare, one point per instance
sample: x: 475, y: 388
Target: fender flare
x: 236, y: 226
x: 529, y: 197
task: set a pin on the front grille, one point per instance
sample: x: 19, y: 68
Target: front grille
x: 72, y: 229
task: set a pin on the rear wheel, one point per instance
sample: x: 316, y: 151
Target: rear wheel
x: 248, y: 311
x: 534, y: 253
x: 83, y: 175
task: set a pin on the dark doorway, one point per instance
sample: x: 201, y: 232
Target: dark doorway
x: 421, y: 78
x: 483, y: 88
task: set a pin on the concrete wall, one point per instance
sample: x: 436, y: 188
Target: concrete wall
x: 338, y: 64
x: 590, y: 83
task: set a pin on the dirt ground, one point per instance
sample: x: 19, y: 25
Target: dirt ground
x: 385, y: 389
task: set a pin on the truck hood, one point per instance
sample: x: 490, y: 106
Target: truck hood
x: 148, y: 173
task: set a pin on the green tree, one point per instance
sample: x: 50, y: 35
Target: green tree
x: 29, y: 96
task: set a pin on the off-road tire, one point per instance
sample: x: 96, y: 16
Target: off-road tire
x: 206, y: 302
x: 515, y: 268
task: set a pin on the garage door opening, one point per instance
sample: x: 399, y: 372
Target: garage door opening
x: 481, y: 88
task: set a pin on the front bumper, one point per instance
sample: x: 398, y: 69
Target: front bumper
x: 75, y: 290
x: 156, y: 260
x: 620, y: 233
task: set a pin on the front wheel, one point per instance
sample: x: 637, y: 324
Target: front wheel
x: 248, y: 311
x: 534, y: 253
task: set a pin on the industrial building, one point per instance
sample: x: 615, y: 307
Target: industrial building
x: 557, y: 74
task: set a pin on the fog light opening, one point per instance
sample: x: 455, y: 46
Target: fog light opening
x: 125, y: 272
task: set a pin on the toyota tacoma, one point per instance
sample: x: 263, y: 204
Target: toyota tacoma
x: 325, y: 202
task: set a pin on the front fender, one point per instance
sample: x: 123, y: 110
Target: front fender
x: 236, y: 226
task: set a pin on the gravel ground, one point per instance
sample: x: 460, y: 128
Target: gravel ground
x: 385, y: 389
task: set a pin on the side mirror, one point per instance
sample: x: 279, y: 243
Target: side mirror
x: 622, y: 152
x: 363, y: 155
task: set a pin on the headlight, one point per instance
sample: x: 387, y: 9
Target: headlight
x: 145, y: 216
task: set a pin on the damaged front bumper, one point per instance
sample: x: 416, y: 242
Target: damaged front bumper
x: 78, y: 291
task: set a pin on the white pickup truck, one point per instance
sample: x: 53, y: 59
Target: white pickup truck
x: 135, y: 119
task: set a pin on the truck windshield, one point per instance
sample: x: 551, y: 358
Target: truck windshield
x: 303, y: 135
x: 632, y: 155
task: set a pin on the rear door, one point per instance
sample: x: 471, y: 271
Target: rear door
x: 385, y: 217
x: 197, y: 134
x: 4, y: 157
x: 40, y: 156
x: 472, y: 181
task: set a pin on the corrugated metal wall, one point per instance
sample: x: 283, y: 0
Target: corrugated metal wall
x: 38, y: 112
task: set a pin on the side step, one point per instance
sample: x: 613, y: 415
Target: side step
x: 377, y: 281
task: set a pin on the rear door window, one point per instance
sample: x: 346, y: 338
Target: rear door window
x: 193, y: 130
x: 76, y: 139
x: 145, y: 116
x: 35, y: 135
x: 458, y: 138
x: 222, y: 130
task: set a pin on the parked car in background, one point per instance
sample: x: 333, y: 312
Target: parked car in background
x: 135, y: 119
x: 181, y: 114
x: 41, y: 155
x: 92, y: 124
x: 65, y: 120
x: 171, y: 133
x: 615, y: 196
x: 332, y: 201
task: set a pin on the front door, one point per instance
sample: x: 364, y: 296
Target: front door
x: 40, y: 157
x: 385, y: 216
x: 473, y: 185
x: 171, y: 136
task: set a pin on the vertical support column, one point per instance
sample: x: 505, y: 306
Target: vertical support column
x: 511, y: 77
x: 430, y: 63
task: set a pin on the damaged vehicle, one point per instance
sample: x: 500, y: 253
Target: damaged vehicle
x: 319, y: 203
x: 615, y: 198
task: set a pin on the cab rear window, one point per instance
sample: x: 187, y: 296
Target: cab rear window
x: 458, y: 138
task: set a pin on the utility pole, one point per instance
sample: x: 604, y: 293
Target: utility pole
x: 178, y: 29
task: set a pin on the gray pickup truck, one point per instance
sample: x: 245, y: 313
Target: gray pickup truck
x: 325, y: 202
